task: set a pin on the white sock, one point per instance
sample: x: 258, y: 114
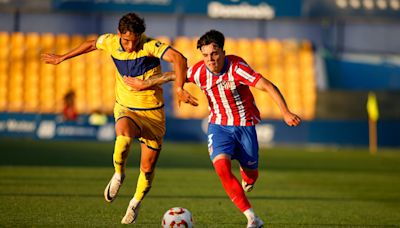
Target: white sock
x: 133, y: 202
x: 118, y: 176
x: 249, y: 213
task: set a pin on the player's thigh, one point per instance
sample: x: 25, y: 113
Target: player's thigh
x: 247, y: 147
x: 220, y: 141
x: 148, y: 159
x: 127, y: 127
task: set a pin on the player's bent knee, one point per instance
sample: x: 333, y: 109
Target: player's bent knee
x: 222, y: 167
x: 127, y: 127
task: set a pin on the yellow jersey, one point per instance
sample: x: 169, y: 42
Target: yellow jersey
x: 141, y: 64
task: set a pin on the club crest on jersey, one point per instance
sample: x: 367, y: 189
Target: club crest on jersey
x: 228, y: 84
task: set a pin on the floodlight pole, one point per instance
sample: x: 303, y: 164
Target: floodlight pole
x: 373, y: 137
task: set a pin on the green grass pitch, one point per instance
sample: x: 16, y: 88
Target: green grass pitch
x: 61, y: 183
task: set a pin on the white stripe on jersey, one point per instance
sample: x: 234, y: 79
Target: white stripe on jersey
x: 209, y: 78
x: 238, y: 100
x: 189, y: 72
x: 196, y: 76
x: 228, y: 110
x: 245, y: 75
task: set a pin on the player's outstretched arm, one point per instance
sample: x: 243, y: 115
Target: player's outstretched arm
x: 138, y: 84
x: 55, y: 59
x: 290, y: 118
x: 180, y: 69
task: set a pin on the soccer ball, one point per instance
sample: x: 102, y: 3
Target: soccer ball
x: 177, y: 217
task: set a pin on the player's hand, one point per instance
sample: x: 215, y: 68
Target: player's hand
x: 51, y: 58
x: 134, y: 83
x: 186, y: 97
x: 291, y: 119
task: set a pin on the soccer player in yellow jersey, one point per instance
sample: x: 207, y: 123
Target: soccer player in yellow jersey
x: 138, y: 113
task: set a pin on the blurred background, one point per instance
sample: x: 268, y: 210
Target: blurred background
x: 326, y: 56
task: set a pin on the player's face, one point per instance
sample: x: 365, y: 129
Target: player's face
x: 129, y: 41
x: 214, y: 57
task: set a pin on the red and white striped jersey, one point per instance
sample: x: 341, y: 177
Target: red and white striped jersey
x: 230, y: 100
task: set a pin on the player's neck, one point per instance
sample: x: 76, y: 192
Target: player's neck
x: 222, y: 71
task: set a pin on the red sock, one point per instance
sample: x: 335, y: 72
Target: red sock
x: 249, y: 176
x: 231, y: 184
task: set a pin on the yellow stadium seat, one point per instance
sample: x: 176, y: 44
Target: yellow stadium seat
x: 4, y: 45
x: 260, y: 53
x: 62, y: 43
x: 17, y: 41
x: 306, y: 45
x: 290, y: 45
x: 164, y: 39
x: 47, y: 101
x: 184, y: 45
x: 187, y: 111
x: 32, y: 45
x: 291, y: 59
x: 47, y: 43
x: 31, y: 100
x: 76, y: 40
x: 15, y: 99
x: 182, y: 42
x: 3, y: 98
x: 263, y: 102
x: 231, y: 46
x: 4, y: 65
x: 245, y: 48
x: 274, y: 47
x: 81, y: 100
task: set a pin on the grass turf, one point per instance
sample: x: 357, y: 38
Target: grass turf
x: 53, y: 183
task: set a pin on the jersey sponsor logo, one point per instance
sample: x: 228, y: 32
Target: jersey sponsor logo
x: 228, y: 85
x: 158, y: 44
x: 251, y: 162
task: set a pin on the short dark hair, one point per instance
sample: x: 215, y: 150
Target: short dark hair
x: 131, y: 22
x: 212, y: 36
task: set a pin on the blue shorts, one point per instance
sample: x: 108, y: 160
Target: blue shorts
x: 240, y: 142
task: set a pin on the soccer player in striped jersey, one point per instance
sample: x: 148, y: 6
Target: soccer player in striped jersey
x: 138, y: 113
x: 225, y: 80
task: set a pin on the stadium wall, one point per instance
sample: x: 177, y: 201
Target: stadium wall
x: 317, y: 132
x: 363, y: 73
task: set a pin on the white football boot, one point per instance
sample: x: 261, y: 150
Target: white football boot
x: 131, y: 213
x: 111, y: 191
x: 247, y: 187
x: 255, y: 223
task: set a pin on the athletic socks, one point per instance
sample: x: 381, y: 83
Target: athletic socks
x: 121, y: 151
x: 231, y: 184
x: 249, y: 176
x: 143, y: 185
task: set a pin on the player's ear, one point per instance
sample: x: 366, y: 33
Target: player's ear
x: 119, y: 33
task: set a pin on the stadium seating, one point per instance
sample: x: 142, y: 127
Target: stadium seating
x: 28, y: 85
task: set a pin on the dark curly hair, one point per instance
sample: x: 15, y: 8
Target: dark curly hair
x: 131, y: 22
x: 212, y: 36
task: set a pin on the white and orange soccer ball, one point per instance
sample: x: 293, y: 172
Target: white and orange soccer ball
x: 177, y: 217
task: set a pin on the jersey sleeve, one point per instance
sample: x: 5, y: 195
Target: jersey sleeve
x: 246, y: 75
x: 189, y: 75
x: 104, y: 42
x: 155, y: 48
